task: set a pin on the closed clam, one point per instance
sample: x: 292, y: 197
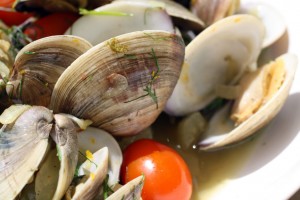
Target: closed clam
x: 38, y: 66
x: 122, y: 84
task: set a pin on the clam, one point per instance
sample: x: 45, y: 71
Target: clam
x: 127, y: 16
x: 134, y: 74
x: 182, y: 17
x: 132, y: 190
x: 94, y: 172
x: 27, y: 129
x: 93, y: 139
x: 263, y: 95
x: 210, y: 11
x: 28, y: 134
x: 274, y: 23
x: 218, y: 56
x: 65, y: 137
x: 258, y: 93
x: 38, y: 66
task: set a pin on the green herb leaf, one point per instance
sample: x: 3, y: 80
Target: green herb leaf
x: 106, y: 188
x: 83, y: 11
x: 29, y: 52
x: 213, y: 107
x: 87, y: 158
x: 58, y: 153
x: 150, y: 91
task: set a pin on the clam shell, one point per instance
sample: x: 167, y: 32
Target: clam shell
x: 260, y: 118
x: 93, y: 139
x: 96, y: 175
x: 181, y: 16
x: 210, y: 11
x: 132, y: 190
x: 39, y: 64
x: 138, y: 16
x: 274, y: 23
x: 58, y: 169
x: 122, y: 84
x: 22, y: 149
x: 65, y: 136
x: 219, y: 55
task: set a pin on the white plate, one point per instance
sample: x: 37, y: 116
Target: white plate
x: 272, y: 171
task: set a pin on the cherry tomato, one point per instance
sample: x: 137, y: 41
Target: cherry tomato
x: 13, y: 18
x: 53, y: 24
x: 7, y: 3
x: 167, y: 176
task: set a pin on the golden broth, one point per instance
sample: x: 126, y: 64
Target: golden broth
x: 209, y: 170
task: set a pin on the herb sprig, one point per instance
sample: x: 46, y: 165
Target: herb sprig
x: 106, y: 188
x: 83, y: 11
x: 149, y: 89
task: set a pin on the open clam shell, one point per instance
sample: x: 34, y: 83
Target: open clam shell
x: 58, y: 169
x: 260, y: 118
x: 127, y: 16
x: 122, y: 84
x: 210, y: 11
x: 94, y: 173
x: 92, y: 139
x: 219, y: 55
x: 39, y: 64
x: 182, y: 17
x: 131, y: 190
x: 29, y: 134
x: 274, y: 23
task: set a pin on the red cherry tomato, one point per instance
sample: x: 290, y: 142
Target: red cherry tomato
x: 167, y: 176
x: 11, y: 18
x: 53, y: 24
x: 7, y: 3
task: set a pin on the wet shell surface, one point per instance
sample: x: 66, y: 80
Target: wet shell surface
x: 126, y: 16
x: 182, y: 17
x: 122, y: 84
x: 210, y: 11
x: 29, y: 134
x: 228, y: 135
x: 218, y: 56
x: 274, y: 23
x: 39, y: 64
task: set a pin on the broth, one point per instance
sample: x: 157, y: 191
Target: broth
x: 209, y: 170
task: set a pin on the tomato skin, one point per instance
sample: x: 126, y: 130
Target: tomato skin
x: 11, y: 18
x: 53, y: 24
x: 7, y: 3
x: 167, y: 177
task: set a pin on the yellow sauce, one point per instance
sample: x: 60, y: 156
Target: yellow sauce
x: 210, y: 170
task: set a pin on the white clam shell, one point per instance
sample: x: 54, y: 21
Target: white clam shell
x: 93, y: 139
x: 260, y: 118
x: 91, y: 187
x: 29, y: 134
x: 236, y: 38
x: 141, y: 16
x: 274, y: 23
